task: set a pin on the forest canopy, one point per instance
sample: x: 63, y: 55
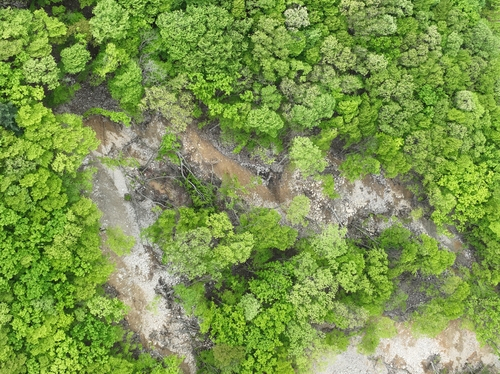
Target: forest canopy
x: 409, y: 89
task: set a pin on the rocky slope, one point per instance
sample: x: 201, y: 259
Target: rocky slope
x: 366, y: 207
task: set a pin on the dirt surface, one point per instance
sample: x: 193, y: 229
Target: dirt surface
x: 139, y: 277
x: 368, y: 205
x: 455, y: 349
x: 201, y: 152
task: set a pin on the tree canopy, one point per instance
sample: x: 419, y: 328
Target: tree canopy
x: 409, y: 89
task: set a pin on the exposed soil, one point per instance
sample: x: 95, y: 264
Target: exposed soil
x: 214, y: 163
x: 162, y: 325
x: 455, y: 349
x: 366, y: 206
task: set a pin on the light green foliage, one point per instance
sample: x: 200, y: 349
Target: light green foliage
x: 202, y: 243
x: 380, y: 327
x: 109, y: 59
x: 50, y: 256
x: 210, y: 44
x: 176, y: 108
x: 273, y: 46
x: 415, y: 253
x: 26, y: 66
x: 296, y: 18
x: 337, y: 340
x: 338, y: 55
x: 119, y: 161
x: 103, y: 307
x: 145, y: 11
x: 382, y: 20
x: 111, y: 21
x: 75, y: 58
x: 465, y: 101
x: 416, y: 214
x: 324, y: 140
x: 330, y: 244
x: 298, y: 210
x: 484, y: 313
x: 268, y: 234
x: 52, y: 313
x: 390, y: 156
x: 309, y: 114
x: 43, y: 71
x: 118, y: 117
x: 18, y: 26
x: 307, y: 157
x: 126, y: 86
x: 118, y: 241
x: 250, y: 305
x: 265, y: 121
x: 270, y: 97
x: 356, y: 166
x: 309, y: 104
x: 329, y: 186
x: 192, y: 298
x: 169, y: 146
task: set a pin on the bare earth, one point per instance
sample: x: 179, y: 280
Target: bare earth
x: 162, y: 327
x: 457, y: 349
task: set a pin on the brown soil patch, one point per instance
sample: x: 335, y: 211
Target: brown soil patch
x: 284, y: 192
x: 451, y: 337
x: 213, y: 162
x: 107, y: 132
x: 398, y: 362
x: 158, y: 187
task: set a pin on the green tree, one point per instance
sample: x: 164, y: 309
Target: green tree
x: 118, y: 242
x: 211, y: 44
x: 176, y: 107
x: 198, y: 244
x: 75, y: 58
x: 264, y: 225
x: 298, y: 210
x: 356, y: 166
x: 110, y: 21
x: 264, y: 121
x: 126, y: 86
x: 42, y: 71
x: 307, y: 157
